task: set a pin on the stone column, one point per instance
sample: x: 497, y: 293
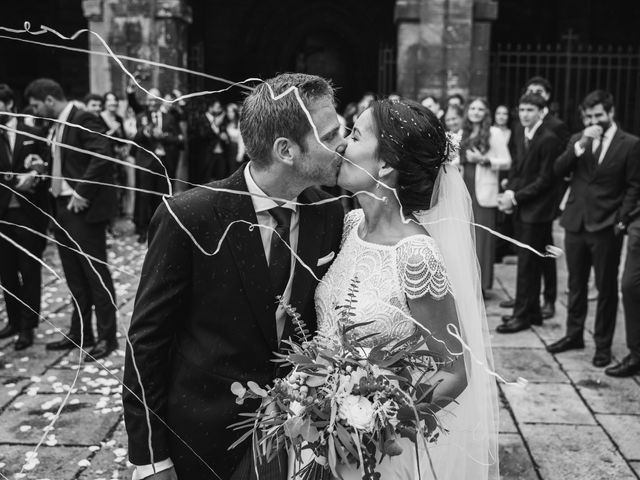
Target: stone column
x: 441, y: 50
x: 153, y: 30
x: 99, y: 20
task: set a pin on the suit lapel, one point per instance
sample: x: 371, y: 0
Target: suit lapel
x: 248, y: 254
x: 310, y: 236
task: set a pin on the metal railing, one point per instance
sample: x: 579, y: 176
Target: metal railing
x: 574, y: 71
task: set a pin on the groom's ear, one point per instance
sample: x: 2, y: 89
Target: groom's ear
x: 285, y: 150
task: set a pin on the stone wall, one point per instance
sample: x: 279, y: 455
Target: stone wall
x: 443, y: 46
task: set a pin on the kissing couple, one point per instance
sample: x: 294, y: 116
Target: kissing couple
x: 228, y: 261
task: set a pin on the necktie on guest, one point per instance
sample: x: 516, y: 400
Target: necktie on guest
x: 527, y: 142
x: 598, y: 149
x: 5, y: 144
x: 280, y: 255
x: 56, y: 168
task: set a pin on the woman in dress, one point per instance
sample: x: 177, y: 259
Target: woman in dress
x: 483, y: 154
x: 413, y: 257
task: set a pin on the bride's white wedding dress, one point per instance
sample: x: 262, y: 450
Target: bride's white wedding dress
x: 387, y: 276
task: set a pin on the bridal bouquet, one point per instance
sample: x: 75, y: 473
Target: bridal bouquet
x: 345, y: 403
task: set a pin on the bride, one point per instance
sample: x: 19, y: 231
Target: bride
x: 414, y: 257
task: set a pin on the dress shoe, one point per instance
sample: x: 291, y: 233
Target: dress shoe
x: 25, y: 340
x: 548, y: 310
x: 508, y: 318
x: 564, y: 344
x: 69, y: 342
x: 512, y: 326
x: 601, y: 358
x: 8, y: 331
x: 629, y: 366
x: 508, y: 303
x: 102, y: 349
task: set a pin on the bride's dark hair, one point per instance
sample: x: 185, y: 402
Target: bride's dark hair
x: 414, y: 142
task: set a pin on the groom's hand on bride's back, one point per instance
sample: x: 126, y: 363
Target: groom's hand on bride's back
x: 169, y: 474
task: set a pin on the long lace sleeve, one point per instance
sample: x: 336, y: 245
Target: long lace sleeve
x: 422, y: 270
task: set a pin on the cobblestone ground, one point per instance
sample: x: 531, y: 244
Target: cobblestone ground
x: 570, y: 421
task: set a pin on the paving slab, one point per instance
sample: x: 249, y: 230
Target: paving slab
x: 533, y: 364
x: 625, y: 432
x: 28, y: 417
x: 10, y: 388
x: 547, y: 403
x: 635, y: 466
x: 55, y: 463
x: 515, y: 463
x: 583, y: 452
x: 606, y: 394
x: 32, y: 361
x: 507, y: 425
x: 110, y: 460
x: 524, y: 339
x: 89, y: 380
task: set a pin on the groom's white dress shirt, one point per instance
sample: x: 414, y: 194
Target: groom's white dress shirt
x: 267, y: 224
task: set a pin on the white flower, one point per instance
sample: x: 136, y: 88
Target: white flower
x: 357, y: 412
x: 296, y: 408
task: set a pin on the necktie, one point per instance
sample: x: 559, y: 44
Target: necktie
x: 527, y: 142
x: 5, y: 145
x: 56, y: 169
x: 598, y: 151
x: 280, y: 255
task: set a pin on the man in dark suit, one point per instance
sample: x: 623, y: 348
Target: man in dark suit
x: 158, y: 132
x: 529, y: 197
x: 209, y: 141
x: 604, y: 164
x: 630, y: 365
x: 23, y: 207
x: 201, y: 320
x: 541, y: 86
x: 83, y: 211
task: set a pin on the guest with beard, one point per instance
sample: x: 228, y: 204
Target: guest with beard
x: 85, y: 203
x: 21, y: 159
x: 604, y: 164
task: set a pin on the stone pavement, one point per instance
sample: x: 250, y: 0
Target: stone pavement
x: 570, y: 421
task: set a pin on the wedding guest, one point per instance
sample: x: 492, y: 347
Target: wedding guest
x: 93, y: 103
x: 83, y: 212
x: 604, y: 164
x: 630, y: 365
x: 20, y: 271
x: 433, y: 104
x: 483, y: 153
x: 235, y: 148
x: 453, y: 119
x: 349, y: 115
x: 159, y: 133
x: 456, y: 99
x: 502, y: 120
x: 529, y: 198
x: 208, y: 142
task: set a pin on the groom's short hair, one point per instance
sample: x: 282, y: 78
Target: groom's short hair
x: 264, y: 118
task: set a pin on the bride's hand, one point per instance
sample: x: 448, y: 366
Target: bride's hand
x: 169, y: 474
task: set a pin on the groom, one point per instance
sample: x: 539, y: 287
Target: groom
x: 202, y: 321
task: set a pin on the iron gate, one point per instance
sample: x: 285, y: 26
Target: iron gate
x: 574, y: 71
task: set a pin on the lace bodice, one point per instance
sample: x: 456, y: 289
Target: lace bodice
x: 385, y: 277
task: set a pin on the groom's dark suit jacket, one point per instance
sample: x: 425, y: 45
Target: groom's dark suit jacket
x: 201, y: 322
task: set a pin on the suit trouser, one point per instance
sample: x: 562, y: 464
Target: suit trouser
x: 147, y: 203
x: 527, y: 303
x: 631, y: 289
x: 84, y: 283
x: 602, y: 250
x: 550, y: 275
x: 21, y: 274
